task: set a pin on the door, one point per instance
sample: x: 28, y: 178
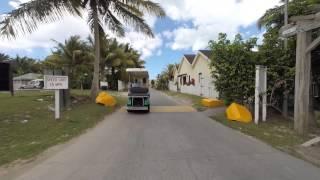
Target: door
x: 201, y: 84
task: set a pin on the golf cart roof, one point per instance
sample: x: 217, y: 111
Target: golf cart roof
x: 138, y: 72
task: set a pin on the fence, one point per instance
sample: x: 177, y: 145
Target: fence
x: 172, y: 86
x: 205, y: 89
x: 121, y: 85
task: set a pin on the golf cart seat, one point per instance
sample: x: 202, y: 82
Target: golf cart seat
x: 139, y: 90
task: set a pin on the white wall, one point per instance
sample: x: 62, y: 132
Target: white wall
x: 205, y: 87
x: 18, y: 83
x: 121, y: 85
x: 172, y: 86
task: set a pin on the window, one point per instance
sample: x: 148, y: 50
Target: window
x: 200, y: 77
x: 184, y: 80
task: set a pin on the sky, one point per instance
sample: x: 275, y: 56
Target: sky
x: 188, y: 27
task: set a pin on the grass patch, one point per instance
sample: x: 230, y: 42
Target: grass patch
x: 27, y: 127
x: 276, y: 131
x: 194, y: 99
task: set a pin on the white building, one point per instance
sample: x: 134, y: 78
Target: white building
x: 23, y: 80
x: 194, y: 75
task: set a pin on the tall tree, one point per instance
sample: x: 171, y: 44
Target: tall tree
x: 23, y: 65
x: 281, y: 60
x: 233, y: 69
x: 111, y: 13
x: 71, y: 55
x: 274, y: 17
x: 170, y: 71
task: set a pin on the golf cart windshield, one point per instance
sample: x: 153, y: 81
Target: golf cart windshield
x: 138, y: 77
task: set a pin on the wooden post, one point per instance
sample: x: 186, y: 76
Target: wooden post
x: 57, y: 104
x: 260, y: 91
x: 264, y: 95
x: 257, y: 97
x: 302, y: 83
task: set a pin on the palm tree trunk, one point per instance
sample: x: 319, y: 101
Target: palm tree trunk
x: 95, y: 81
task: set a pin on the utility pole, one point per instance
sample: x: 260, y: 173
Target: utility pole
x: 286, y: 19
x: 285, y: 95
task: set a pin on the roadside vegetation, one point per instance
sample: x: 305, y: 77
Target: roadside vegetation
x: 28, y: 127
x: 74, y: 57
x: 233, y: 62
x: 277, y: 132
x: 167, y: 74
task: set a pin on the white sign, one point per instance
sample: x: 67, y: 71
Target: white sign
x: 56, y: 82
x: 103, y: 83
x: 290, y: 32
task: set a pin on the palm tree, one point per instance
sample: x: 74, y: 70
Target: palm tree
x: 70, y: 54
x: 170, y: 71
x: 23, y: 65
x: 110, y: 13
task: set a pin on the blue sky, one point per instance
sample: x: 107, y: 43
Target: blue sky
x: 188, y: 27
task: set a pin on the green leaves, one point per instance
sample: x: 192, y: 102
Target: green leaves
x: 26, y: 18
x: 233, y: 67
x: 114, y: 14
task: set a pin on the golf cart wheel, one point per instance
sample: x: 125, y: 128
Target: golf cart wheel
x: 148, y: 109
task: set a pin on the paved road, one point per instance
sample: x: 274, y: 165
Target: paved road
x: 158, y: 99
x: 168, y: 146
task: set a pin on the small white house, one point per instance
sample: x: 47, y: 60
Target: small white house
x: 194, y: 75
x: 23, y: 80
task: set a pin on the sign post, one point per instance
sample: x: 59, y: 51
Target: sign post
x: 6, y: 83
x: 260, y: 90
x: 57, y: 104
x: 56, y: 83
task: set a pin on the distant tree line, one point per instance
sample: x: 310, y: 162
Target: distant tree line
x: 162, y: 79
x: 22, y: 65
x: 75, y: 58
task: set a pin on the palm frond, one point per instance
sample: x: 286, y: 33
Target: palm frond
x: 114, y: 24
x: 148, y: 6
x: 26, y: 18
x: 131, y: 19
x: 272, y: 16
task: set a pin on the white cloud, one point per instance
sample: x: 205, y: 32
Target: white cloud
x: 15, y: 3
x: 145, y: 45
x: 260, y: 37
x: 167, y: 34
x: 69, y: 26
x: 209, y: 17
x: 42, y: 38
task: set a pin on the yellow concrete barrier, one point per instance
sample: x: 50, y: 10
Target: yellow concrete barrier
x: 105, y: 99
x: 236, y: 112
x: 211, y: 102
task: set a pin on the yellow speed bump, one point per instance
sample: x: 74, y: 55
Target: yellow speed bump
x: 105, y: 99
x: 168, y: 109
x: 207, y: 102
x: 236, y: 112
x: 172, y: 109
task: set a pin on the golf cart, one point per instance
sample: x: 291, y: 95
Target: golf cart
x: 138, y: 90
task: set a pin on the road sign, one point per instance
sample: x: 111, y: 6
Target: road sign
x: 56, y: 82
x: 289, y: 32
